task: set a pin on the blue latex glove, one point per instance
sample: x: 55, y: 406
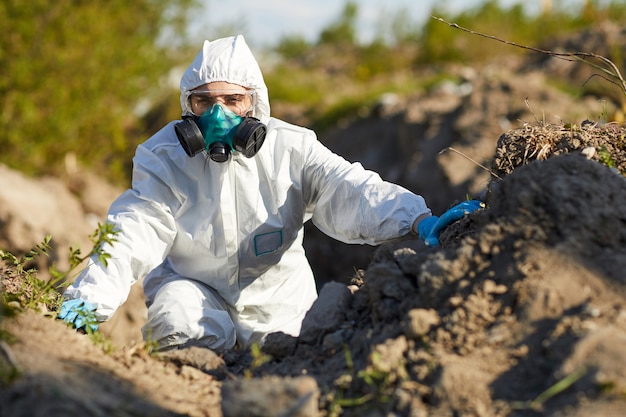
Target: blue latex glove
x: 429, y: 228
x: 76, y: 313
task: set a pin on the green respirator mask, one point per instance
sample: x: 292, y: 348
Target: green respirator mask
x: 220, y: 132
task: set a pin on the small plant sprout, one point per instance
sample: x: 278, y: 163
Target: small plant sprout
x: 605, y: 157
x: 258, y: 359
x: 25, y: 289
x: 104, y: 234
x: 552, y: 391
x: 336, y: 400
x: 22, y: 289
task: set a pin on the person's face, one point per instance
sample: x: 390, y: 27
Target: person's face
x: 236, y: 98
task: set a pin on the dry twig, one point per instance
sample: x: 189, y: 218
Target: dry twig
x: 607, y: 66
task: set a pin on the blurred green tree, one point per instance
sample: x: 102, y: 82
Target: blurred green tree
x: 343, y: 31
x: 76, y: 75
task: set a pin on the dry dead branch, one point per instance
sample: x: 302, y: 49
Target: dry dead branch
x: 611, y: 72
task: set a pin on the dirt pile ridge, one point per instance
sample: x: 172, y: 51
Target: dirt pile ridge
x: 523, y: 296
x: 520, y: 312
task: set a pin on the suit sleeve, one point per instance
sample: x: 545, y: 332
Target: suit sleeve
x: 146, y: 229
x: 352, y: 204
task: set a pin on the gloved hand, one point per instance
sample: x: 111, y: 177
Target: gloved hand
x: 429, y: 228
x: 79, y: 314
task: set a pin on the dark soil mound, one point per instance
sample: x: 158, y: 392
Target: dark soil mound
x: 521, y: 310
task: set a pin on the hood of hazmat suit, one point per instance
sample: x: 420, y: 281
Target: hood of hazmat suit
x: 219, y: 245
x: 228, y: 60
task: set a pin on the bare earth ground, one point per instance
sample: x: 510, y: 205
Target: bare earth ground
x: 520, y: 312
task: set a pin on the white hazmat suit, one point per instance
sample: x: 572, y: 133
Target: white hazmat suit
x: 220, y: 244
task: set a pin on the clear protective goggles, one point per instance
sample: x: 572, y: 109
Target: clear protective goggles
x: 240, y: 102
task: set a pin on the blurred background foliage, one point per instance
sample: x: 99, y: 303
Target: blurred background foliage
x: 77, y: 78
x: 83, y: 82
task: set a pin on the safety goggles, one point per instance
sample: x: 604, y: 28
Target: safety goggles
x: 237, y: 101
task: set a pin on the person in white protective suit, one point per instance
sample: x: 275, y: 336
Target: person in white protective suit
x: 214, y: 218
